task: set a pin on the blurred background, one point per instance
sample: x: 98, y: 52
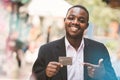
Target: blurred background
x: 25, y: 25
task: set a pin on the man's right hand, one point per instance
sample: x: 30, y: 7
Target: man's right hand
x: 53, y: 68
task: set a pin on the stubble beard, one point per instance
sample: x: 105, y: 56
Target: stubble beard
x: 77, y: 37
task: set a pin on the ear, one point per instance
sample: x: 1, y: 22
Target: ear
x: 64, y: 19
x: 87, y: 25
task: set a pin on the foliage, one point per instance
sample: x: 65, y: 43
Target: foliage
x: 100, y: 13
x: 112, y: 45
x: 22, y: 1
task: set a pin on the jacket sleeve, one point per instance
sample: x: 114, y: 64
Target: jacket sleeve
x: 109, y: 71
x: 38, y: 70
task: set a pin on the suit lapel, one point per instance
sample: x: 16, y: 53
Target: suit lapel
x: 62, y: 52
x: 86, y: 77
x: 87, y: 54
x: 85, y: 49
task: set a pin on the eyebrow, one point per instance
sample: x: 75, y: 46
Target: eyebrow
x: 74, y: 15
x: 82, y: 18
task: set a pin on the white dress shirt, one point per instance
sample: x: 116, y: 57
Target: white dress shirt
x: 76, y: 70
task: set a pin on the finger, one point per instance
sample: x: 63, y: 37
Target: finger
x: 100, y: 62
x: 51, y: 70
x: 51, y: 73
x: 91, y: 69
x: 90, y: 65
x: 61, y: 65
x: 57, y: 64
x: 91, y: 74
x: 51, y: 66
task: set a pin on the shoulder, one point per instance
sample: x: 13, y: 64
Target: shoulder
x: 94, y: 43
x: 96, y: 47
x: 54, y: 43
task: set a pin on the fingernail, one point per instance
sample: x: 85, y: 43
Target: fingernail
x: 61, y: 65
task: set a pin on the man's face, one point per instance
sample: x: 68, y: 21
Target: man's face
x: 76, y: 22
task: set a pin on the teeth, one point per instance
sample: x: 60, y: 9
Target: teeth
x: 74, y: 28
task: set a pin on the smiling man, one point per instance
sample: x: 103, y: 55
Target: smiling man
x: 74, y: 57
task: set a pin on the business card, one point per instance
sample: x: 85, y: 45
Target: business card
x: 65, y: 61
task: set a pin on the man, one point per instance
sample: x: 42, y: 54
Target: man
x: 90, y: 59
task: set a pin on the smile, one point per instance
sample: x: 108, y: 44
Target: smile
x: 74, y: 29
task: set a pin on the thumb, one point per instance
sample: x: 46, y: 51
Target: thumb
x: 100, y: 62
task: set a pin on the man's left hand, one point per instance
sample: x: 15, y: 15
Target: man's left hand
x: 96, y: 71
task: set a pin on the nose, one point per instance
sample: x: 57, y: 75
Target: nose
x: 76, y: 21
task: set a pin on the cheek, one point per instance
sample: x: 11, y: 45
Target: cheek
x: 84, y: 26
x: 66, y: 24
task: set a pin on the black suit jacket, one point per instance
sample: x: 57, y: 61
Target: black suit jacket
x: 93, y: 51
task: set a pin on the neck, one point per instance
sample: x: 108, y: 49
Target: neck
x: 75, y: 42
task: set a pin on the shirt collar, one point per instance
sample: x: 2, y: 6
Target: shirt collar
x: 67, y: 44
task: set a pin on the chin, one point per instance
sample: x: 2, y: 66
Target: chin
x: 75, y: 36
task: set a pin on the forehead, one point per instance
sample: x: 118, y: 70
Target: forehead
x: 77, y: 11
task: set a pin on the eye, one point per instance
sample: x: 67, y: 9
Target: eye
x: 70, y: 18
x: 82, y: 20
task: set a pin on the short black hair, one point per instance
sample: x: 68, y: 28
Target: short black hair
x: 79, y: 6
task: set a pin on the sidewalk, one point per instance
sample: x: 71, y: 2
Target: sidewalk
x: 9, y: 69
x: 20, y: 74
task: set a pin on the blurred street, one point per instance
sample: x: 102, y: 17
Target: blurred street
x: 9, y: 70
x: 25, y: 25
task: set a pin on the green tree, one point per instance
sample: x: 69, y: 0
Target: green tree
x: 100, y: 13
